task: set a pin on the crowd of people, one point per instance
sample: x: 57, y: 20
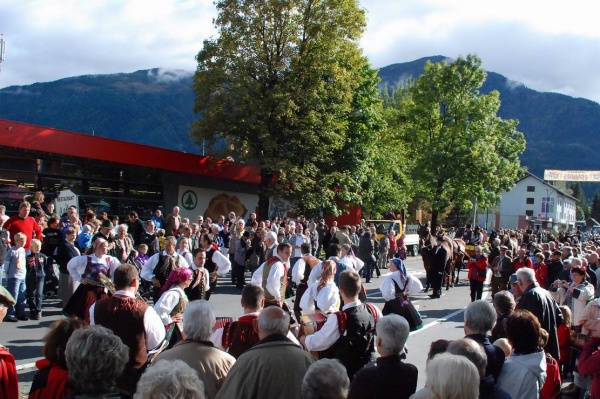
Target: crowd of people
x: 140, y: 324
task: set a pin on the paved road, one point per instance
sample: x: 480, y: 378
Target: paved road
x: 443, y: 319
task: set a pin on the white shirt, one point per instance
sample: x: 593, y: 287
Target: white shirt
x: 315, y: 273
x: 217, y: 336
x: 223, y: 263
x: 155, y: 330
x: 78, y: 264
x: 148, y: 269
x: 167, y: 302
x: 273, y: 284
x: 353, y: 261
x: 187, y: 256
x: 388, y: 290
x: 328, y: 299
x: 299, y: 240
x: 298, y: 270
x: 329, y: 334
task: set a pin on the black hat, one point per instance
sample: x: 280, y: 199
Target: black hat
x: 107, y: 224
x: 468, y: 226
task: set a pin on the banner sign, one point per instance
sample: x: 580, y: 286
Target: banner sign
x: 572, y: 175
x: 64, y: 200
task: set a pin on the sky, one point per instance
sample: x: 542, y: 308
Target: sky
x: 547, y: 45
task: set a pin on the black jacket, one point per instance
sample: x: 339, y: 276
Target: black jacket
x: 389, y: 377
x: 539, y: 302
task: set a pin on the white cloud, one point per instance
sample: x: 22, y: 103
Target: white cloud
x: 162, y: 75
x: 548, y: 45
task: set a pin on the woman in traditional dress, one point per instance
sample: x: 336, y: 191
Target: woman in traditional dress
x: 172, y: 302
x: 323, y: 295
x: 395, y: 290
x: 94, y: 273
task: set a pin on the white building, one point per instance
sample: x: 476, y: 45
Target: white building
x: 534, y: 203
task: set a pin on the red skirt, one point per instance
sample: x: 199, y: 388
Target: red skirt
x: 82, y: 300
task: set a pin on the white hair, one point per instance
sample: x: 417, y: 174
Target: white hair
x: 452, y: 376
x: 123, y: 227
x: 526, y: 275
x: 198, y: 320
x: 271, y: 235
x: 170, y: 379
x: 393, y: 332
x: 326, y: 379
x: 480, y: 317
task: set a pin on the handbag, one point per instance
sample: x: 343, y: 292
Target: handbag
x: 402, y: 306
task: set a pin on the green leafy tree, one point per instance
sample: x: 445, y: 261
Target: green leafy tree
x: 286, y: 85
x: 461, y: 152
x: 595, y: 209
x: 582, y: 209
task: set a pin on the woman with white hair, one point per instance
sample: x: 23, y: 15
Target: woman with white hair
x: 170, y: 379
x: 95, y: 358
x: 450, y: 377
x: 124, y: 245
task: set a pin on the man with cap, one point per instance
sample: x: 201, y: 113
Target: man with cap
x: 555, y: 266
x: 9, y: 385
x: 105, y: 232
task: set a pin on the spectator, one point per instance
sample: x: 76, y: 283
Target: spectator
x: 23, y: 223
x: 524, y: 373
x: 390, y: 377
x: 15, y: 266
x: 50, y: 381
x: 480, y: 318
x: 450, y: 376
x: 66, y: 251
x: 539, y: 302
x: 211, y: 364
x: 553, y: 382
x: 84, y: 241
x: 37, y: 264
x: 273, y: 368
x: 589, y: 363
x: 170, y: 379
x: 158, y: 219
x: 52, y: 237
x: 325, y: 379
x: 95, y: 358
x: 504, y: 304
x: 4, y: 246
x: 9, y: 385
x: 474, y: 352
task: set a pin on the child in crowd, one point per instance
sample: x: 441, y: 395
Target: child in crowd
x: 161, y: 239
x: 36, y: 276
x: 503, y: 344
x: 564, y: 340
x: 551, y: 387
x: 84, y: 240
x: 142, y: 256
x: 15, y: 274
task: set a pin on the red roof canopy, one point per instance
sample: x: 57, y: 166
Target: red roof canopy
x: 62, y: 142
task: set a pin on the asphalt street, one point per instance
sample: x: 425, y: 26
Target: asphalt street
x: 443, y: 318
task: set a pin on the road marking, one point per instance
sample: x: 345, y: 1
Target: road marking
x: 445, y: 318
x: 26, y: 366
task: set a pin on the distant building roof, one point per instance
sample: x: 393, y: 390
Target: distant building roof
x: 558, y: 190
x: 45, y: 139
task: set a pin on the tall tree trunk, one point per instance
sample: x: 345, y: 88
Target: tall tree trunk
x: 434, y: 216
x: 263, y: 196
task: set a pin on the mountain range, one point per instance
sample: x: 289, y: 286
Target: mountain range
x: 154, y: 107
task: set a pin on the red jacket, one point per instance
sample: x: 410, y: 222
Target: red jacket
x: 525, y: 263
x: 9, y: 385
x: 589, y: 363
x: 50, y: 382
x: 475, y: 268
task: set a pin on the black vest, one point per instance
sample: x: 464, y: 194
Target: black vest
x: 356, y: 344
x: 209, y: 264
